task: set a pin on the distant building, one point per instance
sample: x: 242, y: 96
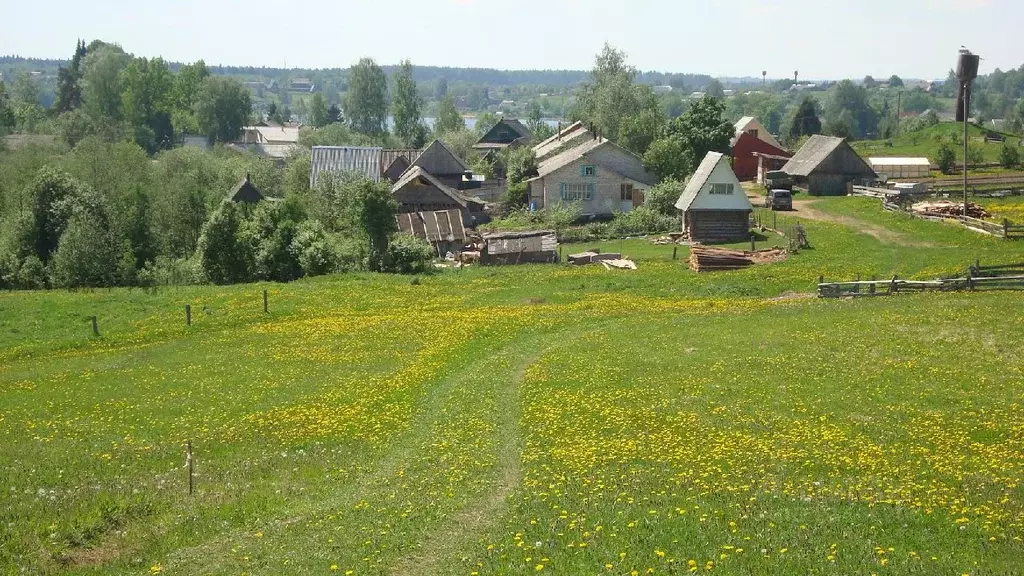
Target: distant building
x: 598, y: 174
x: 395, y: 161
x: 507, y: 132
x: 420, y: 191
x: 715, y: 207
x: 661, y: 89
x: 697, y: 95
x: 538, y: 246
x: 825, y: 165
x: 301, y: 85
x: 442, y: 163
x: 245, y: 193
x: 900, y: 168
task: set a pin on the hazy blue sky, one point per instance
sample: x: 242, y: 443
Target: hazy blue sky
x: 821, y: 38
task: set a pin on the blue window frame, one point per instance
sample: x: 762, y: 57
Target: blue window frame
x: 588, y: 171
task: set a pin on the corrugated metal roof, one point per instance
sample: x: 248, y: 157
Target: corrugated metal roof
x: 336, y: 159
x: 885, y: 161
x: 439, y: 226
x: 568, y: 157
x: 571, y: 132
x: 389, y: 155
x: 814, y: 152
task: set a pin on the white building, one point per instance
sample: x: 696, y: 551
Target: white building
x: 715, y: 207
x: 900, y: 168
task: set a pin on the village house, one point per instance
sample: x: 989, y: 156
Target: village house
x: 751, y: 154
x: 302, y: 85
x: 507, y: 132
x: 598, y: 174
x: 395, y: 161
x: 420, y: 191
x: 825, y: 165
x: 247, y: 193
x: 444, y: 164
x: 750, y: 125
x: 715, y: 207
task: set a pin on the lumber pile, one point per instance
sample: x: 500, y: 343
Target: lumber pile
x: 952, y: 209
x: 705, y: 259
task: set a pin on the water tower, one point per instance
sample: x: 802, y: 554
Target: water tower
x: 966, y: 72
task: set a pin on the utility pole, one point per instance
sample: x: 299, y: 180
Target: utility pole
x: 899, y: 96
x: 966, y: 72
x: 966, y: 87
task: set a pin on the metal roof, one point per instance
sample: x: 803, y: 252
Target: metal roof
x: 571, y: 132
x: 335, y: 159
x: 418, y: 173
x: 699, y: 179
x: 568, y: 157
x: 389, y: 155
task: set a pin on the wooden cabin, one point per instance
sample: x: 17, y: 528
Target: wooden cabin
x: 825, y: 165
x: 715, y: 207
x: 507, y: 132
x: 245, y: 193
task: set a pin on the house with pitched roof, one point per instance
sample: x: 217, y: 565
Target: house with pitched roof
x: 337, y: 159
x: 601, y: 176
x: 507, y: 132
x: 825, y: 165
x: 442, y: 163
x: 420, y: 191
x: 715, y: 208
x: 750, y: 125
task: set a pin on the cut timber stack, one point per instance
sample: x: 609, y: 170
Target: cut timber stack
x: 945, y: 208
x: 704, y: 259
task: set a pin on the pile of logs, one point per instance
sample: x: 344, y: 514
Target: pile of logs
x: 946, y: 208
x: 705, y: 259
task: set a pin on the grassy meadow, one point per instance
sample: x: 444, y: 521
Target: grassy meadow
x: 531, y: 419
x: 926, y: 143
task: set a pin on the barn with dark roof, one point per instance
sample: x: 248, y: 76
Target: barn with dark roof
x: 825, y: 165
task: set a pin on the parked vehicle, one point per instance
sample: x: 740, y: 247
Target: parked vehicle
x: 779, y: 200
x: 778, y: 180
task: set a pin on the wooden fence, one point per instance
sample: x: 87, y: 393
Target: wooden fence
x: 1001, y: 277
x: 897, y: 201
x: 779, y: 223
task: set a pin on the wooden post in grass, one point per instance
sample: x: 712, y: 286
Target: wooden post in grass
x: 871, y: 289
x: 674, y: 250
x: 95, y: 326
x: 892, y: 285
x: 753, y: 248
x: 264, y: 301
x: 188, y: 314
x: 188, y: 464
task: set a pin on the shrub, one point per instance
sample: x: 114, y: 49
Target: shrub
x: 641, y: 220
x: 1008, y: 156
x: 32, y: 274
x: 516, y: 196
x: 86, y: 256
x: 663, y: 197
x: 408, y: 254
x: 945, y: 158
x: 312, y: 249
x: 223, y: 256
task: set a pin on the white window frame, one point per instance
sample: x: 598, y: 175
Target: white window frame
x: 576, y: 191
x: 722, y: 189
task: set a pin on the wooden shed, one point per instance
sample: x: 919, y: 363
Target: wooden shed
x: 715, y: 207
x: 825, y: 165
x: 538, y: 246
x: 444, y: 229
x: 245, y: 193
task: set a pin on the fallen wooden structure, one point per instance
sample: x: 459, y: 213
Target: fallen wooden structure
x: 708, y: 259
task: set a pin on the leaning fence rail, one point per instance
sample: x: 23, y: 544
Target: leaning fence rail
x: 999, y: 277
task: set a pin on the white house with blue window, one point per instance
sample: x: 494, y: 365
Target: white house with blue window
x: 599, y: 175
x: 715, y: 207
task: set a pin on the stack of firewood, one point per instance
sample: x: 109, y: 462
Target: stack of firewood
x: 705, y: 259
x: 945, y: 208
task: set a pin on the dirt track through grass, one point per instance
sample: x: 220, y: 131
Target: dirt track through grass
x: 804, y: 208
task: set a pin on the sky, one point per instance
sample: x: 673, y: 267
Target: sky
x: 823, y: 39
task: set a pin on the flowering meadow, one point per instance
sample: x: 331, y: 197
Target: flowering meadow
x: 524, y: 420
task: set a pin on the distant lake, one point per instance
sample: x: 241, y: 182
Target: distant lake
x: 471, y: 122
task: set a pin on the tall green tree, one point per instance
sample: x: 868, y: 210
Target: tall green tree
x: 448, y: 118
x: 102, y: 83
x: 69, y: 92
x: 715, y: 89
x: 24, y: 89
x: 7, y: 119
x: 686, y: 140
x: 188, y: 84
x: 407, y: 107
x: 318, y: 111
x: 613, y: 105
x: 805, y: 121
x: 366, y: 102
x: 845, y: 96
x: 222, y: 108
x: 370, y: 207
x: 224, y: 256
x: 147, y: 100
x: 54, y: 197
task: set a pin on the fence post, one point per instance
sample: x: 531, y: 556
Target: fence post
x: 264, y: 301
x: 188, y: 463
x: 871, y: 288
x: 95, y: 326
x: 1006, y: 227
x: 753, y: 247
x: 892, y: 285
x: 674, y: 250
x: 858, y: 283
x: 188, y: 315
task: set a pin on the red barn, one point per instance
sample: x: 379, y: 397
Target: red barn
x: 744, y: 162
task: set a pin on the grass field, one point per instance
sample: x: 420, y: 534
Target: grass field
x: 926, y: 143
x: 527, y: 419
